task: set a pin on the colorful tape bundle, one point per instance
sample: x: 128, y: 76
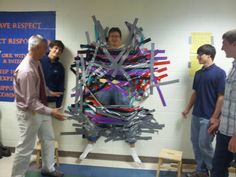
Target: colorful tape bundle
x: 110, y: 82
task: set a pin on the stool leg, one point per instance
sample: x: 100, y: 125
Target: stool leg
x: 159, y: 167
x: 38, y: 158
x: 179, y: 169
x: 57, y: 156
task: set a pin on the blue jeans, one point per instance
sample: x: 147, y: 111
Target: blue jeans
x: 202, y: 143
x: 113, y: 96
x: 222, y: 157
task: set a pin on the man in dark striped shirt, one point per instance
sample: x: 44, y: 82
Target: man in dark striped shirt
x: 226, y: 137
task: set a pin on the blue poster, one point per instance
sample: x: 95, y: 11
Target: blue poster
x: 15, y: 30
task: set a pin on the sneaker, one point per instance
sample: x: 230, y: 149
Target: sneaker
x: 52, y: 174
x: 197, y: 174
x: 6, y: 152
x: 192, y: 174
x: 233, y: 164
x: 203, y: 175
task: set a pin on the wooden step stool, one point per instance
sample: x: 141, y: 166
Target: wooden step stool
x: 170, y: 156
x: 38, y: 153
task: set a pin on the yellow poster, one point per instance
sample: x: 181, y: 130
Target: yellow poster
x: 197, y: 39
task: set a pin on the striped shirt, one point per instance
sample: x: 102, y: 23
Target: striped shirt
x: 228, y: 112
x: 27, y: 87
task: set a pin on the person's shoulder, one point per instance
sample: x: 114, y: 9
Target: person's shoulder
x: 44, y: 59
x: 198, y: 71
x: 219, y: 69
x: 25, y: 70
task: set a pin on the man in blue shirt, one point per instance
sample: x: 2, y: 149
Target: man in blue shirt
x: 54, y: 71
x: 226, y: 136
x: 206, y: 100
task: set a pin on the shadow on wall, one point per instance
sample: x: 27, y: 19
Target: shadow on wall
x: 184, y: 124
x: 67, y: 59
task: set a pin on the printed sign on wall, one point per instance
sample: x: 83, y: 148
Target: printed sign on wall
x: 198, y: 39
x: 15, y: 30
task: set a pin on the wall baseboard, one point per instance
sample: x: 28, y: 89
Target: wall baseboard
x: 126, y: 158
x: 187, y: 163
x: 99, y: 156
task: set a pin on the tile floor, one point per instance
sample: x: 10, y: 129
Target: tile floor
x: 6, y: 164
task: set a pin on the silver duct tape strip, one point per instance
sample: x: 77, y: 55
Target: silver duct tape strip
x: 82, y: 83
x: 139, y: 65
x: 120, y: 63
x: 87, y: 37
x: 100, y: 30
x: 93, y: 60
x: 77, y: 83
x: 131, y: 32
x: 108, y: 55
x: 152, y: 68
x: 102, y: 37
x: 117, y: 59
x: 167, y: 82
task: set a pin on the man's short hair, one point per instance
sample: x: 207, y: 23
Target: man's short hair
x: 230, y: 36
x: 207, y: 49
x: 114, y: 29
x: 57, y: 43
x: 34, y: 41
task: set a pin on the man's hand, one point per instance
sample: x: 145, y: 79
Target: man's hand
x: 56, y: 112
x: 213, y: 125
x: 185, y: 113
x: 56, y: 94
x: 232, y: 144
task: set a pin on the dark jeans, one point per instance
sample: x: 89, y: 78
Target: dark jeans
x: 222, y: 157
x: 113, y: 96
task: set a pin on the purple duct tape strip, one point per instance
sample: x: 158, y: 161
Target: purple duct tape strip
x: 160, y: 93
x: 155, y: 51
x: 102, y: 119
x: 157, y: 58
x: 138, y: 72
x: 106, y: 121
x: 160, y: 58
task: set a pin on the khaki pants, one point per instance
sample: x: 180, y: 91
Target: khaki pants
x: 30, y: 125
